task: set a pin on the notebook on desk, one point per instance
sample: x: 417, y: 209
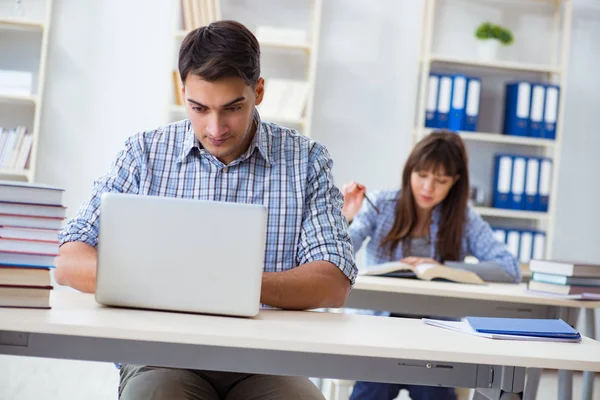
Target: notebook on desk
x: 551, y: 328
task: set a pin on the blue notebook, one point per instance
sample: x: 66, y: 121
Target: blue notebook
x: 553, y: 328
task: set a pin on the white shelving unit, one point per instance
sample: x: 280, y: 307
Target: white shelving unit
x: 552, y: 70
x: 32, y: 22
x: 308, y: 48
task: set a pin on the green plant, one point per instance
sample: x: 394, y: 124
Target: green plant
x: 487, y: 31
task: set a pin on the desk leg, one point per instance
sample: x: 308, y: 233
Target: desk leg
x: 532, y: 383
x: 565, y: 378
x: 588, y: 377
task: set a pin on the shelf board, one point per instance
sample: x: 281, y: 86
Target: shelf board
x: 501, y: 65
x: 20, y: 23
x: 180, y: 34
x: 499, y: 138
x: 513, y: 214
x: 17, y: 99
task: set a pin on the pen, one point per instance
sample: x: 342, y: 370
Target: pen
x: 371, y: 203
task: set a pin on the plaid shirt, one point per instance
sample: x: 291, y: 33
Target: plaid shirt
x: 478, y: 238
x: 282, y: 169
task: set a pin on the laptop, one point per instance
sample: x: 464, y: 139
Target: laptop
x: 177, y: 254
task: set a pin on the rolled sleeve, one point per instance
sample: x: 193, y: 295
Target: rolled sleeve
x: 324, y: 233
x: 123, y: 177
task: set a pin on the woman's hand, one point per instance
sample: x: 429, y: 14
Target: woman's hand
x: 354, y: 194
x: 414, y: 261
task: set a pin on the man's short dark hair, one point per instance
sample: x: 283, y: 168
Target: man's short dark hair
x: 220, y: 50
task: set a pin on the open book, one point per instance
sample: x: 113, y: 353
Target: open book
x: 428, y: 272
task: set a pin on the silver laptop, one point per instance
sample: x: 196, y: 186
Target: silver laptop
x: 180, y: 254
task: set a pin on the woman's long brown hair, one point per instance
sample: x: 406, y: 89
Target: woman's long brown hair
x: 440, y: 149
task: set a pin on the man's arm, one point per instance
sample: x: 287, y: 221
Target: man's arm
x: 76, y: 266
x: 317, y: 284
x: 325, y: 261
x: 76, y: 262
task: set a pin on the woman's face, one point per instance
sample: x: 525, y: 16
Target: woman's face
x: 430, y: 188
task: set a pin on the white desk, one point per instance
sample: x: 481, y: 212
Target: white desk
x: 328, y: 345
x: 444, y: 299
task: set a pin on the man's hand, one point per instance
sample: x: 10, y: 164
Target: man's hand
x: 76, y: 266
x: 318, y: 284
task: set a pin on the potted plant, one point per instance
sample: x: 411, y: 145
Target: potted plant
x: 490, y: 38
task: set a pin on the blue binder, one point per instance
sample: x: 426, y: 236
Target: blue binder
x: 545, y: 185
x: 472, y: 105
x: 457, y: 105
x: 525, y: 246
x: 502, y: 181
x: 551, y: 111
x: 432, y: 100
x: 532, y: 184
x: 536, y: 110
x: 551, y: 328
x: 444, y: 101
x: 517, y: 187
x: 516, y: 110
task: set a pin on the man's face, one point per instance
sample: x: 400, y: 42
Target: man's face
x: 221, y: 113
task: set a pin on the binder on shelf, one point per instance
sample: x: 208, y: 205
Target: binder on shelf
x: 516, y: 110
x: 444, y: 100
x: 500, y: 234
x: 526, y: 247
x: 536, y: 111
x: 550, y: 112
x: 502, y: 181
x: 545, y: 184
x: 517, y: 188
x: 532, y: 183
x: 472, y: 104
x: 457, y: 105
x: 431, y: 120
x: 513, y: 242
x: 539, y: 246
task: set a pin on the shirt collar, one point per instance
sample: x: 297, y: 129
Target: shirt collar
x: 260, y: 141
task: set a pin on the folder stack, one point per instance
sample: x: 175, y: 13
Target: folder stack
x: 30, y: 217
x: 453, y: 102
x: 564, y: 279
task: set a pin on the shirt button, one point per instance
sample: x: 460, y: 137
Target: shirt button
x: 202, y: 152
x: 225, y: 169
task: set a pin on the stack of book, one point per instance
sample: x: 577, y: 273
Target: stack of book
x: 565, y: 279
x: 528, y: 329
x: 30, y: 218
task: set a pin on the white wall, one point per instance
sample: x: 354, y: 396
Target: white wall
x: 108, y: 77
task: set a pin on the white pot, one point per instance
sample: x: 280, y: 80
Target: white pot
x: 488, y: 49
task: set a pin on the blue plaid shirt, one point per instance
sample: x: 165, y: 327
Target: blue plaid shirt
x: 478, y: 238
x: 282, y: 169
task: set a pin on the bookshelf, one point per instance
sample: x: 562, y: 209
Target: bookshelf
x: 548, y: 65
x: 24, y: 35
x: 275, y: 45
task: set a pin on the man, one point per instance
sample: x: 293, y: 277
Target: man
x: 224, y: 152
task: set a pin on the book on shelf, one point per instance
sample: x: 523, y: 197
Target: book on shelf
x: 15, y: 147
x: 16, y: 83
x: 196, y: 13
x: 284, y: 99
x: 177, y: 88
x: 428, y: 272
x: 565, y: 268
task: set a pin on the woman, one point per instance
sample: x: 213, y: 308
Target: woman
x: 427, y: 221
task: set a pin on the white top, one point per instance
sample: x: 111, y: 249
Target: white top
x: 79, y: 315
x: 501, y: 292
